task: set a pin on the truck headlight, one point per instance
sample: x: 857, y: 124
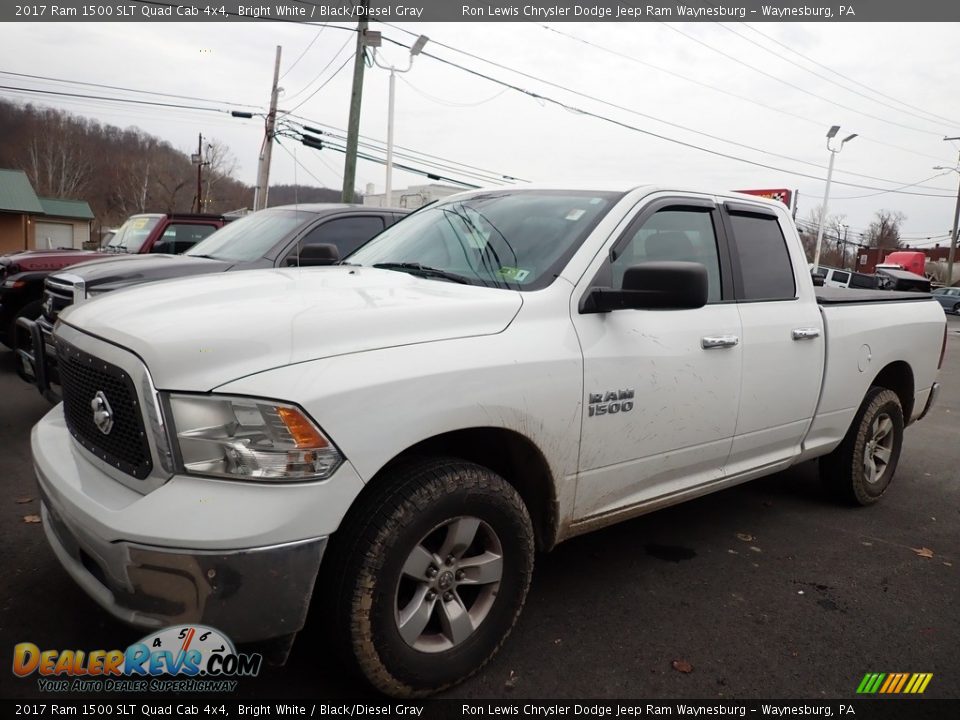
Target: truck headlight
x: 250, y: 439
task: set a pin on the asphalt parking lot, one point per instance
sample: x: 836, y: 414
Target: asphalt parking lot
x: 768, y: 590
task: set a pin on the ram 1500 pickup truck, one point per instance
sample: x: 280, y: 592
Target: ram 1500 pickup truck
x: 283, y: 236
x: 393, y: 438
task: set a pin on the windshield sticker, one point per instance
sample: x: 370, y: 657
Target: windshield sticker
x: 513, y: 274
x: 575, y: 214
x: 138, y: 224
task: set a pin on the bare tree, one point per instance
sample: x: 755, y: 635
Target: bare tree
x: 833, y: 250
x: 220, y: 165
x: 884, y: 231
x: 59, y: 162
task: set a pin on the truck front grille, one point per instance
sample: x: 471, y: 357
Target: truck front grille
x: 57, y: 294
x: 84, y: 378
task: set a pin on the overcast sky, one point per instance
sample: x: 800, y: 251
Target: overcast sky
x: 684, y: 74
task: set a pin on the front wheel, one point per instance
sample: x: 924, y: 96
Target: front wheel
x: 861, y: 468
x: 430, y: 575
x: 956, y: 308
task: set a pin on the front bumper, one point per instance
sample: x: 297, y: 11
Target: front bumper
x: 250, y: 590
x: 36, y: 361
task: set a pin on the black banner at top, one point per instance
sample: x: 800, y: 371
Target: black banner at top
x: 484, y: 11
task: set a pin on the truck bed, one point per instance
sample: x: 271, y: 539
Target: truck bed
x: 848, y: 296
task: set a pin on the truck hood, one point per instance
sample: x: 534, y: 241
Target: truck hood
x: 121, y: 270
x: 196, y: 334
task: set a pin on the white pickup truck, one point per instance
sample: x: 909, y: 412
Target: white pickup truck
x: 394, y: 437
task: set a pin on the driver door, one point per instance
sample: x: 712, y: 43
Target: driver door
x: 661, y: 387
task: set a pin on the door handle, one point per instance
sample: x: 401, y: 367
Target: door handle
x: 807, y: 333
x: 719, y: 341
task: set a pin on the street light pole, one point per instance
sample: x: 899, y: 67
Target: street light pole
x: 956, y: 220
x: 831, y: 133
x: 415, y: 50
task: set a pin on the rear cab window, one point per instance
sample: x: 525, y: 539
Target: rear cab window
x: 762, y: 268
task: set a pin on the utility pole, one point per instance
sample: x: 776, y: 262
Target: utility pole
x: 197, y: 159
x: 266, y: 149
x: 199, y: 171
x: 353, y: 124
x: 956, y: 222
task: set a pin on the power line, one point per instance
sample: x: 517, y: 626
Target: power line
x: 847, y: 77
x: 319, y: 87
x: 795, y: 87
x: 660, y: 136
x: 493, y: 173
x: 322, y: 71
x: 446, y: 102
x: 884, y: 192
x: 305, y: 50
x: 811, y: 121
x: 125, y: 89
x: 442, y: 164
x: 824, y: 77
x: 539, y: 96
x: 133, y: 101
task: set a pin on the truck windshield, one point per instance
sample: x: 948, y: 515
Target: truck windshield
x: 251, y: 237
x: 518, y: 239
x: 132, y: 234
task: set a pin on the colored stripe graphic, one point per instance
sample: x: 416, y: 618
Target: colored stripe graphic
x: 894, y: 683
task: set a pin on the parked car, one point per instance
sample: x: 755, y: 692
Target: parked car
x: 393, y: 437
x: 311, y: 234
x: 22, y: 274
x: 837, y: 277
x: 949, y: 297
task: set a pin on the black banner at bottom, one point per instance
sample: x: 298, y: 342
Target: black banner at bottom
x: 209, y: 707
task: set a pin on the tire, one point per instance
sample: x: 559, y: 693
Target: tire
x: 415, y: 610
x: 860, y: 470
x: 30, y: 310
x: 956, y: 309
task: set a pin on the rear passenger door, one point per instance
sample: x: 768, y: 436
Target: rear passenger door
x: 783, y: 344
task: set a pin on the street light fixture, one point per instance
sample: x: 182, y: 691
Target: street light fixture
x: 831, y: 133
x: 415, y: 50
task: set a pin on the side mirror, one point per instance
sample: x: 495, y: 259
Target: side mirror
x: 313, y: 255
x: 818, y: 278
x: 653, y: 286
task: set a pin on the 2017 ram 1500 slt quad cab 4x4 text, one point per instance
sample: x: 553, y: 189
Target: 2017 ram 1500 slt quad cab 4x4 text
x: 395, y: 436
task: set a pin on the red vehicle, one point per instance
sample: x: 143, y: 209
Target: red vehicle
x: 913, y: 261
x: 22, y: 274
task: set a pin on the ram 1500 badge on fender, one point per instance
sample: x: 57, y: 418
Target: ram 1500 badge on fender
x: 395, y: 437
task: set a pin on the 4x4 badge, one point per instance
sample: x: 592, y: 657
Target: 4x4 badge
x: 102, y: 414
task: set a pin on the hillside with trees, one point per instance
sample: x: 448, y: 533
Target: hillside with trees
x: 120, y: 172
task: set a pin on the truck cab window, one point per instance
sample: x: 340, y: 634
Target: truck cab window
x: 674, y: 234
x: 765, y: 267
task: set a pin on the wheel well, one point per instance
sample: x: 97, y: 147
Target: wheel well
x: 509, y: 454
x: 898, y: 376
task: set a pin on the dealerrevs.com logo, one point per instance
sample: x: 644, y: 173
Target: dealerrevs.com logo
x: 181, y: 658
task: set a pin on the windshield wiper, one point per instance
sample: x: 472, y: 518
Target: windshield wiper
x: 207, y: 257
x: 423, y: 271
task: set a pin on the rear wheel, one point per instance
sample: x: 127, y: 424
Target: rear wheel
x: 430, y: 575
x: 861, y: 468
